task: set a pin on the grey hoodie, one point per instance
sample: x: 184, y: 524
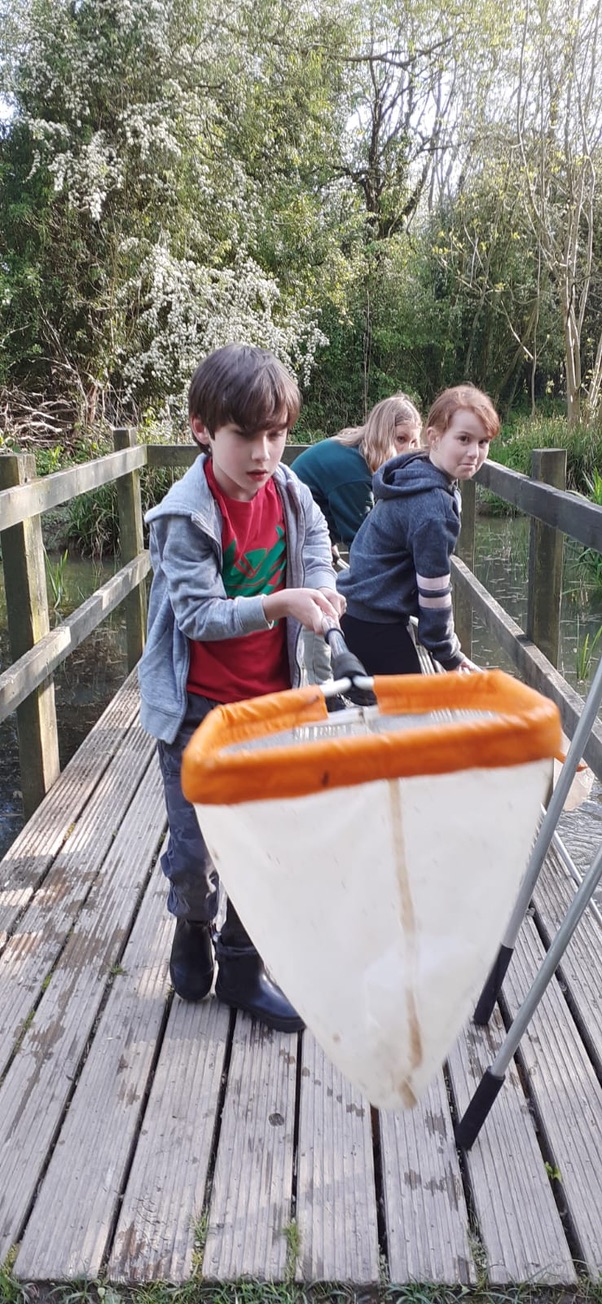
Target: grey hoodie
x: 400, y: 557
x: 188, y: 599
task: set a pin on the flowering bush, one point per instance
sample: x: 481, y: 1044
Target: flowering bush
x: 144, y: 219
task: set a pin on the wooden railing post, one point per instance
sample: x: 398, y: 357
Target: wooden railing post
x: 465, y: 550
x: 28, y: 622
x: 132, y: 543
x: 546, y: 548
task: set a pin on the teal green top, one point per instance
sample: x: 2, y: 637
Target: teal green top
x: 341, y: 484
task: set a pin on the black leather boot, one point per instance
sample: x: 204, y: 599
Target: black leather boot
x: 191, y: 962
x: 243, y: 983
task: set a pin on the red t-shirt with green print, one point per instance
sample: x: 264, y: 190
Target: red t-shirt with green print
x: 254, y: 561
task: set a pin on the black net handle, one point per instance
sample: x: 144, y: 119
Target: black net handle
x: 345, y: 665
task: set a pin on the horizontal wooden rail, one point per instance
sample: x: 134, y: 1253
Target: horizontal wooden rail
x: 172, y: 455
x: 569, y: 512
x: 183, y: 455
x: 35, y: 666
x: 531, y: 663
x: 48, y: 491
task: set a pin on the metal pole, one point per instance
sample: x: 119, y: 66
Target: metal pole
x: 469, y: 1126
x: 547, y: 827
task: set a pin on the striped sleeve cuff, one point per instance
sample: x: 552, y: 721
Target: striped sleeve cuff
x: 434, y: 591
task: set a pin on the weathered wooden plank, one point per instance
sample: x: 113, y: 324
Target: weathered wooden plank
x: 28, y: 621
x: 31, y: 952
x: 425, y: 1210
x: 159, y: 1232
x: 567, y: 1093
x: 67, y: 1234
x: 519, y: 1223
x: 183, y: 455
x: 552, y: 897
x: 546, y: 555
x: 250, y: 1206
x: 28, y: 859
x: 52, y: 490
x: 336, y: 1198
x: 50, y: 651
x: 466, y: 550
x: 568, y: 512
x: 131, y: 546
x: 581, y: 832
x: 178, y: 456
x: 160, y: 1224
x: 40, y: 1078
x: 292, y: 451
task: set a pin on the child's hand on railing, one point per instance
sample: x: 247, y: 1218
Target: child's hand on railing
x: 468, y: 667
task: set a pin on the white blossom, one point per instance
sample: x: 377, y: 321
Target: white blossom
x: 190, y: 310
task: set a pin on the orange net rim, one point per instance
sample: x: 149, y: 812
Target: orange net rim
x: 524, y: 727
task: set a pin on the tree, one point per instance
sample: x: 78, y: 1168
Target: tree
x: 130, y: 220
x: 494, y: 295
x: 559, y: 135
x: 415, y: 75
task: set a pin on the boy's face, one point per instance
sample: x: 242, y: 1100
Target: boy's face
x: 462, y: 449
x: 243, y: 463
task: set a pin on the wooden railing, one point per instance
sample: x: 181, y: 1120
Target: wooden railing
x: 36, y: 649
x: 554, y: 512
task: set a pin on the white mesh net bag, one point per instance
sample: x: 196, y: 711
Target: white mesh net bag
x: 374, y: 855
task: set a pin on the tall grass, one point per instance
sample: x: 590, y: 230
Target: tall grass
x: 590, y: 559
x: 55, y: 577
x: 583, y: 445
x: 586, y: 651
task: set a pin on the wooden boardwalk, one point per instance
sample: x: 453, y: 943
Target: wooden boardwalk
x: 144, y: 1139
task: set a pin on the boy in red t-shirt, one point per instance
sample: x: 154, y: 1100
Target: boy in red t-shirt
x: 241, y: 560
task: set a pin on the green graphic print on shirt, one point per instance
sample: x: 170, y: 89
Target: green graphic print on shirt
x: 261, y: 570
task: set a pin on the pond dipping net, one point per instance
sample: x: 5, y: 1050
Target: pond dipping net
x: 374, y: 855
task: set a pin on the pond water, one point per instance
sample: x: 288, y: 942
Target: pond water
x: 89, y: 678
x: 501, y: 564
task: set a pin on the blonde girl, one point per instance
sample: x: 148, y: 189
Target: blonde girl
x: 339, y: 470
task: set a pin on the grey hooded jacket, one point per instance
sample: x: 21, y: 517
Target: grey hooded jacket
x: 400, y: 557
x: 188, y: 599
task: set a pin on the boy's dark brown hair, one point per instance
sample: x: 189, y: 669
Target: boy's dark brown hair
x: 463, y: 396
x: 243, y: 386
